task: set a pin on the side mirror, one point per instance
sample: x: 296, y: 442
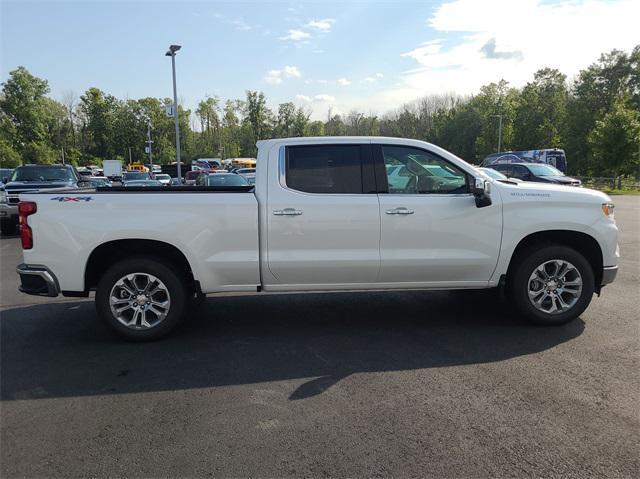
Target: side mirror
x: 83, y: 184
x: 5, y: 180
x: 481, y: 190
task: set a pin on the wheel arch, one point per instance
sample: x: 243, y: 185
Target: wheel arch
x: 583, y: 243
x: 111, y: 252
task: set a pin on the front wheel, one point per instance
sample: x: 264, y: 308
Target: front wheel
x: 552, y: 286
x: 142, y: 299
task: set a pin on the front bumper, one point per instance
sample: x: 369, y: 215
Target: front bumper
x: 37, y: 280
x: 8, y: 211
x: 608, y: 274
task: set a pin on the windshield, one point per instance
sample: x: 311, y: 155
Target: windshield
x: 226, y: 180
x: 43, y: 173
x: 496, y: 175
x: 98, y: 182
x: 545, y: 170
x: 143, y: 183
x: 135, y: 175
x: 437, y: 170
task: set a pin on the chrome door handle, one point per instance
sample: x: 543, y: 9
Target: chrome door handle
x: 399, y: 211
x: 287, y: 212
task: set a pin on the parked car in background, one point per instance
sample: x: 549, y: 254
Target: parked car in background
x: 244, y: 171
x: 132, y: 183
x: 98, y: 181
x: 128, y: 176
x: 83, y: 171
x: 250, y: 177
x: 162, y: 178
x: 190, y: 176
x: 221, y: 179
x: 495, y: 174
x: 321, y: 218
x: 175, y: 182
x: 206, y: 164
x: 29, y: 178
x: 550, y: 156
x: 536, y: 172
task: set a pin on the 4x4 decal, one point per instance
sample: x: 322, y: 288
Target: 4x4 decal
x: 71, y: 198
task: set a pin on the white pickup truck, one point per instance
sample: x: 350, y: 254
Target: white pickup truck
x: 326, y: 214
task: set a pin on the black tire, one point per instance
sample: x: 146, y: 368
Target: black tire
x: 175, y: 286
x: 8, y: 227
x: 518, y: 284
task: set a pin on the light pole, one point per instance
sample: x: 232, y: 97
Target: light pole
x: 499, y: 131
x: 172, y: 53
x: 149, y: 142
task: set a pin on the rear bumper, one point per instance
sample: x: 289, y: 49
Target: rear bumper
x: 37, y: 280
x: 608, y: 274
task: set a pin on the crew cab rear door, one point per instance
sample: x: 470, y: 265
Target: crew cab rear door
x: 323, y: 222
x: 432, y: 233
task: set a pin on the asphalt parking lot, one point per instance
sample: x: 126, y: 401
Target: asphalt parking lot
x: 419, y: 384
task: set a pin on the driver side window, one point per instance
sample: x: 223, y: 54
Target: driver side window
x: 415, y: 171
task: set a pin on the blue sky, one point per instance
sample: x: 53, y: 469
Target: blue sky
x: 373, y: 55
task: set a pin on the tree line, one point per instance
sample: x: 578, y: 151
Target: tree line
x: 595, y: 118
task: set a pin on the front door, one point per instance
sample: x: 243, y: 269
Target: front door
x: 323, y: 222
x: 432, y: 233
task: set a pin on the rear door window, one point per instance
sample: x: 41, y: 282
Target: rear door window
x: 325, y: 169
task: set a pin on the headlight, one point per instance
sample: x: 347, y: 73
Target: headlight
x: 3, y: 196
x: 607, y: 209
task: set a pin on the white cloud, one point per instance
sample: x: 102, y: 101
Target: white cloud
x: 369, y: 80
x: 323, y: 25
x: 296, y: 35
x: 321, y: 98
x: 343, y: 82
x: 568, y: 35
x: 275, y: 77
x: 241, y: 25
x: 324, y: 98
x: 379, y: 75
x: 291, y: 71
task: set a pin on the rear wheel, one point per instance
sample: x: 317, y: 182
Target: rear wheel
x: 142, y: 299
x: 552, y: 286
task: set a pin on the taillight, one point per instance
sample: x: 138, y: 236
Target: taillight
x: 26, y: 208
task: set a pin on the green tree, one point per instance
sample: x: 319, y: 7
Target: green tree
x: 495, y: 99
x: 615, y: 141
x: 314, y: 128
x: 9, y: 157
x: 24, y: 119
x: 285, y: 119
x: 210, y: 138
x: 613, y: 76
x: 541, y: 114
x: 98, y: 112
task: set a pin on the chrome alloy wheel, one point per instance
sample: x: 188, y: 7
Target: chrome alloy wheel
x: 139, y: 301
x: 554, y: 286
